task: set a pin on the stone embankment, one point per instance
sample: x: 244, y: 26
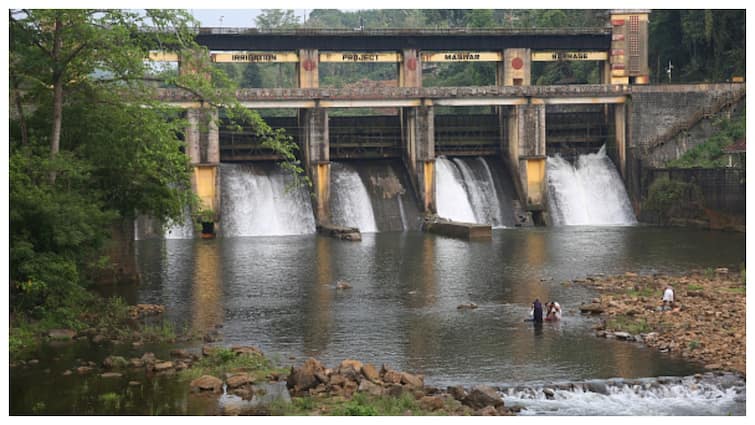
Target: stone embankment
x: 706, y: 324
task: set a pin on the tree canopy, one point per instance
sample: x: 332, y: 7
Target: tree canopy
x: 89, y: 145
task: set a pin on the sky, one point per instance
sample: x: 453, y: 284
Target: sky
x: 234, y: 18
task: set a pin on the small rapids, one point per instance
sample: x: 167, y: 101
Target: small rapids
x: 708, y: 394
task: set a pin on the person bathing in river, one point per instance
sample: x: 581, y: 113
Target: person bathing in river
x: 554, y: 311
x: 668, y: 298
x: 537, y: 311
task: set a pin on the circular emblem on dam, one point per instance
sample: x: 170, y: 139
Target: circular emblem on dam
x: 411, y: 63
x: 309, y: 65
x: 517, y: 63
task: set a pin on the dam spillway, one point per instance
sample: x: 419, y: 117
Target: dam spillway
x: 260, y: 200
x: 467, y: 191
x: 589, y: 192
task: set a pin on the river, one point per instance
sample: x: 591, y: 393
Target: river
x: 279, y: 293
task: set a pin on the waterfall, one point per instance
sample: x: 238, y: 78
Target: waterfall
x: 588, y: 193
x: 351, y: 205
x: 182, y: 230
x: 466, y: 191
x: 257, y: 200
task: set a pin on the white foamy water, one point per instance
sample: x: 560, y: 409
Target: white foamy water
x: 588, y: 193
x: 648, y: 397
x: 183, y: 230
x: 257, y: 201
x: 450, y: 193
x: 352, y: 206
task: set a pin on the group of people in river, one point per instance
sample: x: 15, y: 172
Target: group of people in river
x: 552, y: 311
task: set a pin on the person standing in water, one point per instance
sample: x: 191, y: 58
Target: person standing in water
x: 537, y: 311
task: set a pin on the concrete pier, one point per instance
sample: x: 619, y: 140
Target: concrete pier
x: 455, y: 229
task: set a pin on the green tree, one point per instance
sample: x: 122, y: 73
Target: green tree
x: 276, y: 18
x: 85, y: 113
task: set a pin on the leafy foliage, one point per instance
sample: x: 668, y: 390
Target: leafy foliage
x: 709, y: 154
x: 89, y: 147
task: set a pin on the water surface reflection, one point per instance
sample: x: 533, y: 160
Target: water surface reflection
x: 279, y: 293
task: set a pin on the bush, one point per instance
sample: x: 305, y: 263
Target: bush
x: 672, y: 198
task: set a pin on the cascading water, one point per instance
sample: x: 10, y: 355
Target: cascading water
x: 451, y: 195
x: 588, y: 193
x: 257, y: 200
x: 183, y: 230
x: 351, y: 204
x: 466, y: 191
x: 698, y: 395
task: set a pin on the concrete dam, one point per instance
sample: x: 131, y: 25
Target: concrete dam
x: 382, y: 158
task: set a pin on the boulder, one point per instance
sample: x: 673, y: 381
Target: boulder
x: 337, y: 379
x: 414, y: 381
x: 549, y: 393
x: 458, y: 392
x: 61, y: 334
x: 149, y: 358
x: 181, y: 354
x: 596, y: 387
x: 394, y: 390
x: 115, y: 362
x: 107, y: 375
x: 349, y: 363
x: 246, y: 350
x: 487, y: 411
x: 623, y: 335
x: 481, y: 396
x: 592, y: 308
x: 303, y: 378
x: 98, y: 339
x: 163, y: 366
x: 432, y: 403
x: 370, y: 372
x: 208, y: 350
x: 83, y: 370
x: 206, y: 383
x: 368, y: 387
x: 392, y: 377
x: 238, y: 380
x: 467, y: 306
x: 136, y: 363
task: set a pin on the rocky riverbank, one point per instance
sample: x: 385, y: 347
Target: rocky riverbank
x: 706, y: 325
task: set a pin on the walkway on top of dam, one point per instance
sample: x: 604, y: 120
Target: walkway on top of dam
x: 351, y: 97
x: 396, y: 39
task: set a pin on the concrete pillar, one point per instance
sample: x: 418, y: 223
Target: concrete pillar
x: 419, y: 152
x: 410, y: 69
x: 620, y: 125
x: 605, y: 72
x: 307, y: 70
x: 202, y: 139
x: 516, y: 68
x: 526, y: 152
x: 202, y: 136
x: 315, y: 144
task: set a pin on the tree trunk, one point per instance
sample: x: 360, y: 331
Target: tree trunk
x: 20, y: 111
x: 57, y: 90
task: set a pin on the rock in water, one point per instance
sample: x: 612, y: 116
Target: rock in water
x: 206, y: 383
x: 61, y: 334
x: 482, y: 396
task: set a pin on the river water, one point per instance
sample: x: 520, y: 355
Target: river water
x: 278, y: 293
